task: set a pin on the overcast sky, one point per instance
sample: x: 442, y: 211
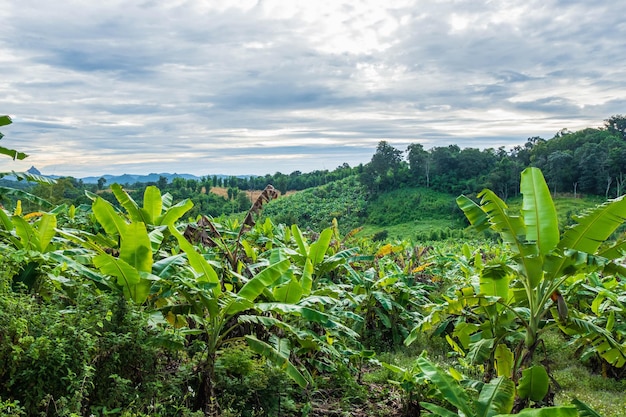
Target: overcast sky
x: 260, y: 86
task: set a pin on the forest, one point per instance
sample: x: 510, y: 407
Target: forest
x: 166, y: 299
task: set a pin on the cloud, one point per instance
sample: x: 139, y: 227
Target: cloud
x: 233, y: 87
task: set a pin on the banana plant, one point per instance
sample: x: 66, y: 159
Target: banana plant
x: 601, y: 311
x: 386, y: 303
x: 494, y: 399
x: 196, y: 301
x: 33, y: 236
x: 128, y: 246
x: 157, y: 210
x: 412, y: 382
x: 542, y: 259
x: 131, y: 259
x: 499, y: 317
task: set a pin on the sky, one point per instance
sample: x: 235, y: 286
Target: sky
x: 262, y: 86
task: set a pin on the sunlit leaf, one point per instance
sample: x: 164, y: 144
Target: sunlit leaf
x: 538, y: 209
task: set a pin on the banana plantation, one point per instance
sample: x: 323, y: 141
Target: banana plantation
x: 134, y: 309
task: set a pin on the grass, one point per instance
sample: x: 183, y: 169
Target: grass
x: 439, y: 228
x: 605, y: 395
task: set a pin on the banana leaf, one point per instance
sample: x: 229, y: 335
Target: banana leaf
x: 542, y: 225
x: 595, y: 227
x: 496, y: 397
x: 279, y: 360
x: 449, y: 388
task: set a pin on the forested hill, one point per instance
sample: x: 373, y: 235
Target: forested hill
x: 590, y: 161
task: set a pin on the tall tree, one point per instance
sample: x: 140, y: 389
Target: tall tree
x: 616, y: 125
x: 419, y: 164
x: 101, y: 182
x: 381, y: 172
x: 560, y: 173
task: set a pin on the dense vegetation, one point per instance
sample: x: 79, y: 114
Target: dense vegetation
x: 128, y: 306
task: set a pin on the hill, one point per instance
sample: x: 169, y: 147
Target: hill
x: 415, y: 213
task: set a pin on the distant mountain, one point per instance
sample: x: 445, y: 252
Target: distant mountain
x: 33, y: 170
x: 130, y: 178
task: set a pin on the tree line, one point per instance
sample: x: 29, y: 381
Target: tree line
x: 590, y: 161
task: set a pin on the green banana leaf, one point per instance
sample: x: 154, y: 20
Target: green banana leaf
x: 560, y: 411
x: 70, y: 262
x: 134, y: 287
x: 496, y: 397
x: 437, y: 410
x: 449, y: 388
x: 309, y: 314
x: 253, y: 288
x: 110, y: 220
x: 128, y: 203
x: 175, y: 212
x: 584, y: 410
x: 504, y: 360
x: 289, y: 292
x: 306, y: 280
x: 534, y: 383
x: 300, y: 240
x: 279, y: 360
x: 539, y: 213
x: 46, y: 229
x: 25, y: 231
x: 474, y: 213
x: 5, y: 120
x: 595, y: 227
x: 319, y: 248
x: 197, y: 261
x: 511, y: 228
x: 135, y: 248
x: 25, y: 196
x: 152, y: 204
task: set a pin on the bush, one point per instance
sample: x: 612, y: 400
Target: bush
x: 248, y: 386
x: 89, y: 356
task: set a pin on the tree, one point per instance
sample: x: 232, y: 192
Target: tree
x: 616, y: 125
x: 64, y: 190
x: 591, y: 171
x: 419, y: 163
x: 445, y: 167
x: 101, y: 182
x: 561, y: 172
x: 380, y: 173
x: 161, y: 183
x: 504, y: 177
x: 616, y: 163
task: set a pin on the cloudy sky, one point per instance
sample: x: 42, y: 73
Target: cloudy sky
x: 260, y: 86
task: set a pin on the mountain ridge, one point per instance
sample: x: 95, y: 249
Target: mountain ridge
x: 133, y: 178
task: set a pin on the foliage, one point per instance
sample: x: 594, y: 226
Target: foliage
x: 315, y: 209
x: 412, y: 204
x: 123, y: 307
x: 496, y: 316
x: 93, y: 354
